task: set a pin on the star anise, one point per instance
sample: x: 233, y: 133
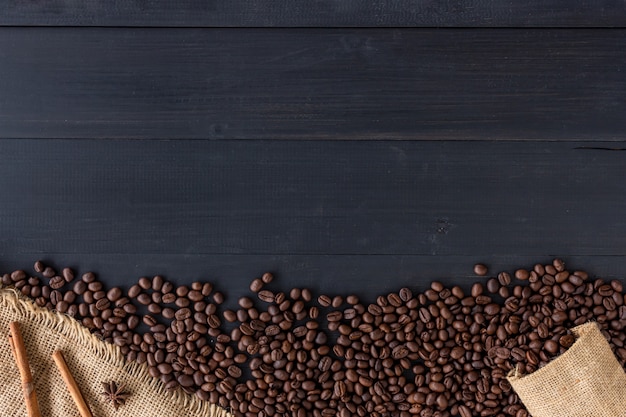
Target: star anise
x: 114, y: 393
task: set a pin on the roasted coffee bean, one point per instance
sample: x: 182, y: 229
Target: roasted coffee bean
x: 325, y: 363
x: 405, y: 295
x: 400, y: 351
x: 374, y: 309
x: 218, y: 298
x: 256, y: 285
x: 133, y: 291
x: 48, y: 272
x: 168, y: 298
x: 183, y: 313
x: 39, y: 266
x: 324, y: 300
x: 213, y: 321
x: 481, y: 270
x: 272, y: 330
x: 103, y: 304
x: 56, y: 282
x: 149, y: 320
x: 551, y: 346
x: 567, y: 340
x: 144, y: 283
x: 114, y: 294
x: 334, y: 316
x: 267, y: 277
x: 266, y: 296
x: 55, y: 297
x: 504, y: 278
x: 230, y: 316
x: 68, y: 274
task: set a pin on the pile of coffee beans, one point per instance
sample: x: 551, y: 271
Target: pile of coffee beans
x: 441, y: 352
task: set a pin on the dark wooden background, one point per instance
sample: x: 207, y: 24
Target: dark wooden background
x: 345, y: 147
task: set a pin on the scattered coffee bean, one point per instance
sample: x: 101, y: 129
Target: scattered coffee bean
x: 267, y: 277
x: 442, y: 352
x: 256, y: 285
x: 481, y: 270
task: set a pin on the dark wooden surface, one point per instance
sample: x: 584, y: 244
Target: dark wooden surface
x: 454, y: 84
x: 203, y: 144
x: 397, y: 210
x: 318, y: 13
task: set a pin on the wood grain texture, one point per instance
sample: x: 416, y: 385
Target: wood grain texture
x: 283, y: 198
x: 322, y: 84
x: 335, y: 216
x: 320, y: 13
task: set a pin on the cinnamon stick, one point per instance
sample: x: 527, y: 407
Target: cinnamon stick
x: 71, y: 384
x: 21, y: 358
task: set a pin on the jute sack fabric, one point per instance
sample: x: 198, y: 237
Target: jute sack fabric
x: 91, y: 362
x: 585, y: 381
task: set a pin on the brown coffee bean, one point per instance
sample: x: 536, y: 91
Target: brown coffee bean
x: 256, y: 285
x: 272, y: 330
x: 504, y: 278
x: 325, y: 363
x: 68, y: 274
x: 39, y: 266
x: 56, y: 282
x: 503, y: 353
x: 605, y: 290
x: 400, y: 351
x: 481, y: 270
x: 213, y: 321
x: 551, y: 346
x: 464, y: 411
x: 114, y: 294
x: 334, y: 316
x: 230, y: 316
x: 324, y: 300
x: 149, y: 320
x: 88, y: 277
x: 616, y: 285
x: 522, y: 274
x: 267, y: 277
x: 266, y: 296
x: 103, y: 304
x: 374, y: 309
x: 558, y: 264
x: 145, y: 283
x: 48, y: 272
x: 339, y: 389
x: 218, y: 298
x: 183, y: 313
x: 483, y: 300
x: 337, y: 301
x: 195, y: 296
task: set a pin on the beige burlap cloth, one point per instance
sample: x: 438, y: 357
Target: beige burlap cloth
x: 585, y: 381
x: 91, y: 362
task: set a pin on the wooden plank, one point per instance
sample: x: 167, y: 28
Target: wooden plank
x: 322, y: 13
x: 274, y: 198
x: 307, y: 83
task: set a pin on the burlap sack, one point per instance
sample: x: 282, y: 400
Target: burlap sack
x: 91, y: 362
x: 585, y: 381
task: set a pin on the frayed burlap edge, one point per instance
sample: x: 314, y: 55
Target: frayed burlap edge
x: 23, y: 309
x: 586, y: 380
x: 580, y: 332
